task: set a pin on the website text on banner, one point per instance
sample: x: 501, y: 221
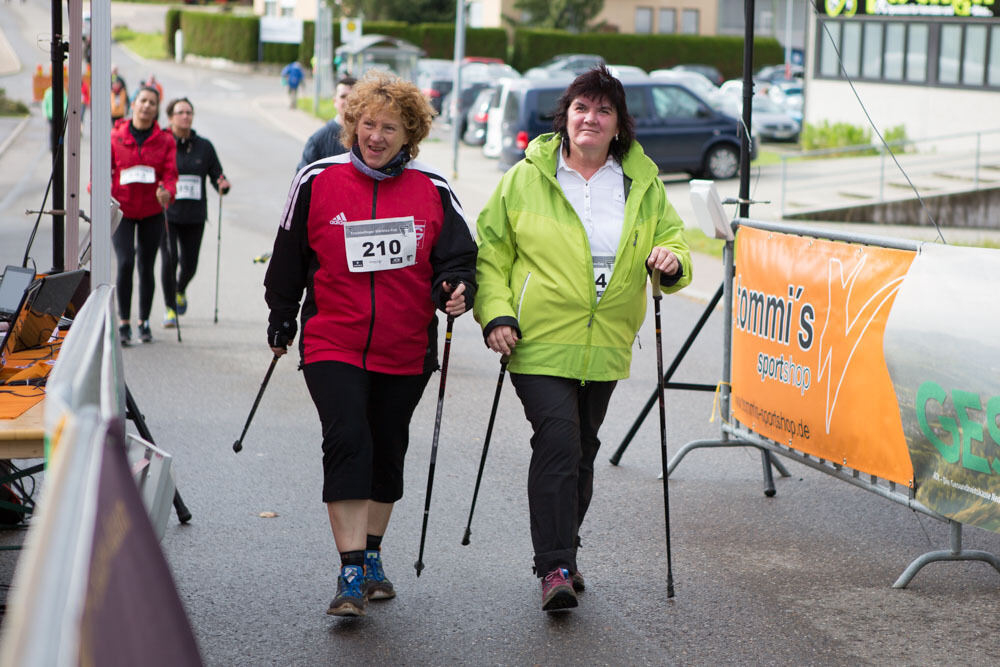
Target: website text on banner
x: 943, y: 354
x: 808, y: 369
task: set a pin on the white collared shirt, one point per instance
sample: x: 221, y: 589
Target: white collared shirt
x: 600, y: 205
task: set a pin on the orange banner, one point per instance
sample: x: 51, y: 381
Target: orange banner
x: 808, y: 369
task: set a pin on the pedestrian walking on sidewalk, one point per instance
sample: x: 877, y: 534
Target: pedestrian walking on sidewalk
x: 325, y: 141
x: 292, y: 75
x: 144, y: 181
x: 377, y: 241
x: 565, y: 244
x: 196, y: 160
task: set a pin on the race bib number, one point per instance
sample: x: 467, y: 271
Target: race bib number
x: 380, y: 245
x: 137, y: 174
x: 188, y: 187
x: 603, y: 266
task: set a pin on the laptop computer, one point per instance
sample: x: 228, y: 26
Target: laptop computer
x: 41, y: 306
x: 13, y: 283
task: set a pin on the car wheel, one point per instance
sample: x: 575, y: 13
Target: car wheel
x: 721, y: 162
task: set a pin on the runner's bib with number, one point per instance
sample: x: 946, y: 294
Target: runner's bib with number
x: 188, y: 186
x: 380, y: 245
x: 137, y: 174
x: 603, y: 267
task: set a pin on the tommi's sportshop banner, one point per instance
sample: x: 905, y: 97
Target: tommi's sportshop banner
x: 808, y: 368
x: 942, y: 346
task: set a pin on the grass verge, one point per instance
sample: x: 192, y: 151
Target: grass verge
x: 148, y: 45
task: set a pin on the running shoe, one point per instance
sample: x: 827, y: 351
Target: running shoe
x: 182, y: 304
x: 125, y: 334
x: 350, y: 599
x: 170, y: 319
x: 145, y: 335
x: 578, y: 584
x: 557, y: 591
x: 377, y: 586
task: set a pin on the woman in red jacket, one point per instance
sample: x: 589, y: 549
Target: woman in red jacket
x: 144, y: 181
x: 377, y: 242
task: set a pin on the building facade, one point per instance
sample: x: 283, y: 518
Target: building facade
x: 931, y: 66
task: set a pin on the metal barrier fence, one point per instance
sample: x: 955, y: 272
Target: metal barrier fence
x: 934, y: 165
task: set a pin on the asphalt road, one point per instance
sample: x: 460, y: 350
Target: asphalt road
x: 801, y: 578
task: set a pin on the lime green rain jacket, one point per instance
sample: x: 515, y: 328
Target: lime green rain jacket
x: 535, y: 270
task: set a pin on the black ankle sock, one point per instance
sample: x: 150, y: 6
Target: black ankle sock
x: 374, y: 543
x: 352, y: 558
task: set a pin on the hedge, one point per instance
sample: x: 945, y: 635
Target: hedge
x: 235, y: 38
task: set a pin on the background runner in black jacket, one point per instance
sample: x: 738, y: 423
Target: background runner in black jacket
x: 186, y: 217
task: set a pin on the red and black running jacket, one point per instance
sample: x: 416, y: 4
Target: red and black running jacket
x: 381, y: 321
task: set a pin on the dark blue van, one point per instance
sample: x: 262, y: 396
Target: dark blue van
x: 678, y: 130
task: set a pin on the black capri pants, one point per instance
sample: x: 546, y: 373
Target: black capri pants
x: 366, y: 428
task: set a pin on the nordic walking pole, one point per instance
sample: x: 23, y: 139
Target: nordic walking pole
x: 657, y: 296
x: 218, y: 253
x: 419, y: 565
x: 486, y: 446
x: 238, y: 445
x: 173, y: 271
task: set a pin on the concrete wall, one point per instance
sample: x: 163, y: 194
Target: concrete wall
x: 976, y: 209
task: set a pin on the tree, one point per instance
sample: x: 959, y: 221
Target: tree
x: 572, y: 15
x: 409, y: 11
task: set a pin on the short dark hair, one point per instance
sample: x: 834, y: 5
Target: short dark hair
x: 175, y: 102
x: 347, y: 80
x: 597, y: 83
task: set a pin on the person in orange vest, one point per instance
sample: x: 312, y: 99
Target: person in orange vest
x: 119, y: 100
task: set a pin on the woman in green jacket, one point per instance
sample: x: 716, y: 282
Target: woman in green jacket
x: 565, y: 246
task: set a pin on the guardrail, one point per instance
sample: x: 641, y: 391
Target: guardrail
x: 934, y: 165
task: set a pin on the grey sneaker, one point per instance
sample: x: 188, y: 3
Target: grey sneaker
x: 377, y: 585
x: 350, y: 599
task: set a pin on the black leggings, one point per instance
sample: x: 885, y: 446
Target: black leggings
x: 366, y: 428
x: 565, y: 417
x: 137, y: 238
x: 188, y: 237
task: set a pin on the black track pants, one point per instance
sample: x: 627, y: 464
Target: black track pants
x: 565, y: 417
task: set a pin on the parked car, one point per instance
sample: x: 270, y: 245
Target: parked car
x: 776, y: 73
x: 626, y: 71
x: 435, y: 78
x: 450, y: 110
x: 476, y: 116
x: 678, y: 130
x: 567, y: 63
x: 708, y: 71
x: 695, y: 82
x: 768, y: 120
x: 788, y: 96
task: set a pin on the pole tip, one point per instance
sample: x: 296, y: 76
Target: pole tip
x: 419, y: 566
x: 465, y: 538
x: 237, y: 446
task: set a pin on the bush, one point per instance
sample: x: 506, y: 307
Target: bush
x: 221, y: 36
x: 9, y: 107
x: 841, y: 135
x: 172, y: 25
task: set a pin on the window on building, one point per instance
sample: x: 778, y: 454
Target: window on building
x: 643, y: 20
x: 270, y: 8
x: 829, y: 44
x: 949, y: 48
x: 850, y: 49
x: 974, y: 59
x: 895, y: 38
x: 916, y: 52
x: 689, y: 22
x: 668, y: 22
x: 871, y: 61
x: 993, y: 73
